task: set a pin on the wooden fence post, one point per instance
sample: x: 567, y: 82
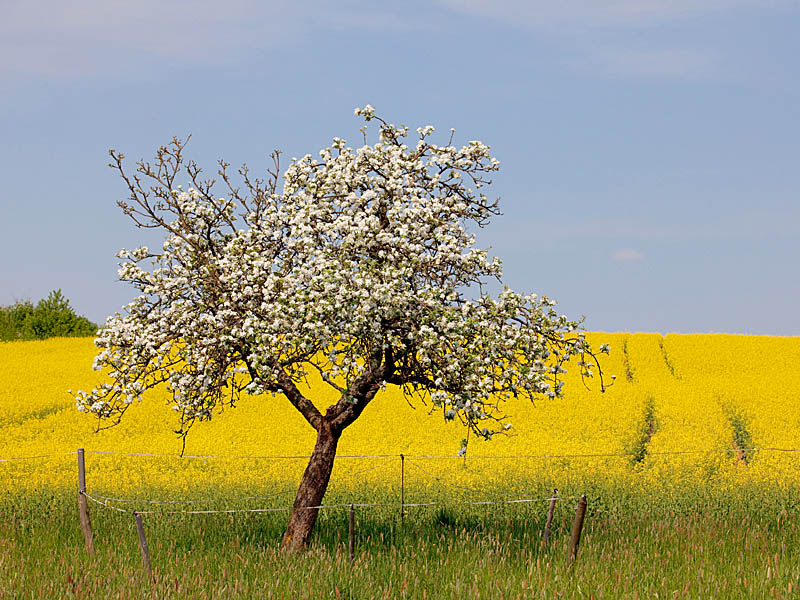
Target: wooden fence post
x: 577, y: 526
x: 143, y: 545
x: 352, y: 531
x: 402, y: 488
x: 549, y: 522
x: 83, y: 504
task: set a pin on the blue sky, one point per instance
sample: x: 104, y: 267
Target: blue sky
x: 650, y: 177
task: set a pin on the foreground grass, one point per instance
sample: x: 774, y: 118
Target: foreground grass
x: 741, y: 549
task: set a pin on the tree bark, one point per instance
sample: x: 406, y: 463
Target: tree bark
x: 312, y: 489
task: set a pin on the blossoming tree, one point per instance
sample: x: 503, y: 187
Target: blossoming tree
x: 361, y: 269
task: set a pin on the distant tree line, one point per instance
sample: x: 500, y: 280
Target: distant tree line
x: 50, y: 317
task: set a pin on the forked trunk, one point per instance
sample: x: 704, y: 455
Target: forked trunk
x: 311, y: 491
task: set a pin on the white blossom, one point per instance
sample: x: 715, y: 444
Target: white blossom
x: 359, y: 269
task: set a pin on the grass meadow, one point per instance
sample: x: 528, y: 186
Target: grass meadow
x: 731, y: 550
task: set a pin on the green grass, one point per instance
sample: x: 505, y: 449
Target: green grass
x: 742, y: 440
x: 741, y: 545
x: 648, y: 427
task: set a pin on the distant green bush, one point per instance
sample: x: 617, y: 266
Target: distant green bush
x: 50, y: 317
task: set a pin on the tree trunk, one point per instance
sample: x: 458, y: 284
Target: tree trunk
x: 312, y: 489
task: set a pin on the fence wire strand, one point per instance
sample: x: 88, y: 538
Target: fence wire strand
x: 449, y: 456
x: 234, y: 457
x: 100, y: 502
x: 13, y: 458
x: 427, y: 456
x: 383, y: 463
x: 197, y: 501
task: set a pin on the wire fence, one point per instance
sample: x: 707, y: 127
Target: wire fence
x: 169, y: 506
x: 456, y: 456
x: 113, y: 502
x: 105, y: 502
x: 731, y: 451
x: 192, y: 501
x: 325, y: 506
x: 15, y: 458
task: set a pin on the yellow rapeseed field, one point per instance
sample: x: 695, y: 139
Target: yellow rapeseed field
x: 701, y: 388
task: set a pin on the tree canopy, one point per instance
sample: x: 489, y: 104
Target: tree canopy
x: 50, y: 317
x: 361, y: 268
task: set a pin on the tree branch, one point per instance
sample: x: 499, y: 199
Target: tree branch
x: 300, y: 402
x: 350, y: 406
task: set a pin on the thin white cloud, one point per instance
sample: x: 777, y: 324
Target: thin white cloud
x: 64, y: 39
x: 605, y: 36
x: 593, y: 13
x: 627, y: 255
x: 79, y: 38
x: 68, y: 39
